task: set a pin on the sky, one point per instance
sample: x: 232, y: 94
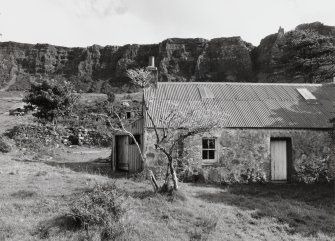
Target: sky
x: 81, y: 23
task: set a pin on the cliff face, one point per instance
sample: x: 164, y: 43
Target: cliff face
x: 303, y: 55
x: 306, y: 54
x: 100, y: 69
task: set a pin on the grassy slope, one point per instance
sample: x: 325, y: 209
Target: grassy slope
x: 34, y: 194
x: 7, y: 100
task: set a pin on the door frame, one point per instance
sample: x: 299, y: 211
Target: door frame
x: 289, y: 155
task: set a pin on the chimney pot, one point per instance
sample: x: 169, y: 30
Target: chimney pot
x: 151, y: 61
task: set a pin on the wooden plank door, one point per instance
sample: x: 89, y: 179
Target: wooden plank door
x: 278, y: 160
x: 122, y: 153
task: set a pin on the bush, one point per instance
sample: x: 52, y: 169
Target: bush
x: 100, y: 138
x: 4, y: 147
x: 23, y: 194
x: 33, y: 137
x: 222, y: 175
x: 314, y: 172
x: 252, y: 175
x: 52, y: 97
x: 101, y: 208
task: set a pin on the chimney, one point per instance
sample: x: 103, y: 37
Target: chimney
x: 151, y: 61
x: 151, y: 65
x: 154, y: 72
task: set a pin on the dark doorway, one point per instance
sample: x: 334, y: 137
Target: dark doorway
x: 122, y: 162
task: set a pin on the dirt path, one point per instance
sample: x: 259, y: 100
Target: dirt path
x: 10, y: 83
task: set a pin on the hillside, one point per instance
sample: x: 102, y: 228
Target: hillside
x: 306, y: 54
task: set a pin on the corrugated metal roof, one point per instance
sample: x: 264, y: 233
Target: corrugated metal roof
x: 249, y: 105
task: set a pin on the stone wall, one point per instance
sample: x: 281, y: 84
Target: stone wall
x: 243, y: 155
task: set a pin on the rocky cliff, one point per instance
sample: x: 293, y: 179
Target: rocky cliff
x: 306, y: 54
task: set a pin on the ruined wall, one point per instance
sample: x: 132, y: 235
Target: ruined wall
x: 243, y: 155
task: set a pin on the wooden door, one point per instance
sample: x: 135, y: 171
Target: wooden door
x: 278, y: 160
x: 122, y: 153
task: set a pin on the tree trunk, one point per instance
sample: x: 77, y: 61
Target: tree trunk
x: 53, y: 125
x: 167, y: 175
x: 153, y: 181
x: 174, y: 175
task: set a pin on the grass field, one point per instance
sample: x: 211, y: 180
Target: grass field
x: 7, y: 100
x: 34, y: 197
x: 35, y: 194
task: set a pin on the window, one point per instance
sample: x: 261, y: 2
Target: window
x: 208, y: 149
x: 306, y: 94
x: 137, y: 138
x: 205, y: 92
x: 128, y: 114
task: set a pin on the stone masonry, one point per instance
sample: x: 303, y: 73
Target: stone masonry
x: 241, y: 151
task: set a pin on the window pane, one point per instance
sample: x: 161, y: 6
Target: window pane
x: 211, y: 143
x: 204, y: 143
x: 204, y: 154
x: 138, y: 139
x: 211, y: 154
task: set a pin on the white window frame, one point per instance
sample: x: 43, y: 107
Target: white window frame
x: 209, y: 161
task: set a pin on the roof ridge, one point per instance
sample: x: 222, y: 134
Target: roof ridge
x: 241, y: 83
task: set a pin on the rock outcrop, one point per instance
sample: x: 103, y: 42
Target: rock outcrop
x: 306, y: 54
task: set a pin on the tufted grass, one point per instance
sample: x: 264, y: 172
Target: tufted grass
x: 35, y: 197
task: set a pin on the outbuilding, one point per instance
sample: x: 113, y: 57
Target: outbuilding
x: 278, y: 132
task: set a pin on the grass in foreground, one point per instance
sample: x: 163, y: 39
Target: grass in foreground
x: 35, y: 198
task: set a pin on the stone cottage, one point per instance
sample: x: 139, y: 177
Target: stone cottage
x: 277, y: 132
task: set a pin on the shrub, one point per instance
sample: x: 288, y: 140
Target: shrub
x: 101, y: 208
x: 221, y: 175
x: 4, y: 147
x: 314, y: 172
x: 252, y: 175
x: 52, y: 97
x: 100, y: 138
x: 33, y: 137
x: 23, y: 194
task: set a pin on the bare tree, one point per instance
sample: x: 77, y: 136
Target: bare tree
x: 120, y: 127
x: 175, y: 126
x: 142, y: 77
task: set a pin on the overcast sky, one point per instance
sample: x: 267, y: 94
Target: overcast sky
x: 118, y: 22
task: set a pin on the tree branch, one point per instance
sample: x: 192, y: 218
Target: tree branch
x: 123, y: 129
